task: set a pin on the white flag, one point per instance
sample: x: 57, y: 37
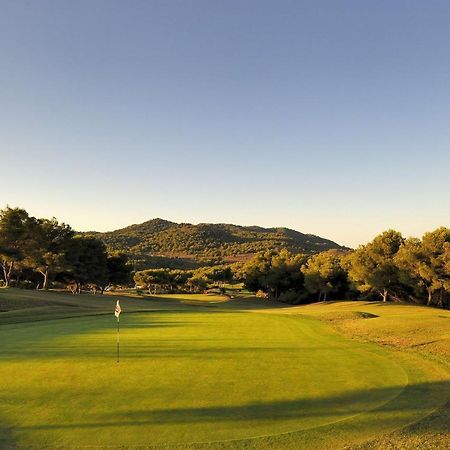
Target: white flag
x: 118, y: 310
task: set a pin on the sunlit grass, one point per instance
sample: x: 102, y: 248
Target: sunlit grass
x: 214, y: 373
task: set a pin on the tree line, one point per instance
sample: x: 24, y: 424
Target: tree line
x: 388, y: 268
x: 178, y: 280
x: 35, y: 252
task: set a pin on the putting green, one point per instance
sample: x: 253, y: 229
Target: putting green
x: 188, y: 377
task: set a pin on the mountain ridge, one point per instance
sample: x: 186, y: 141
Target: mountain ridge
x: 163, y: 243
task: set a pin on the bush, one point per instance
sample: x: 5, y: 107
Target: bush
x: 262, y: 294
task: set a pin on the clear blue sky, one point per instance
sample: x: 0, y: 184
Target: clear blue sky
x: 330, y: 117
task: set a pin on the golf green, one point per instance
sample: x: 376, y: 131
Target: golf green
x: 193, y: 377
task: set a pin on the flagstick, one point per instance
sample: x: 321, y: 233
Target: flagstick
x: 118, y: 338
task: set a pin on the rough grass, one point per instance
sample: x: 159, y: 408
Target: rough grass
x: 403, y: 326
x: 415, y: 329
x: 200, y: 374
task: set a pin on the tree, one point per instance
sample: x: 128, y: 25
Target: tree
x: 153, y: 279
x: 15, y: 239
x: 51, y: 242
x: 221, y: 274
x: 215, y: 275
x: 87, y: 261
x: 324, y: 274
x: 118, y: 271
x: 425, y: 263
x: 256, y: 271
x: 275, y: 273
x: 143, y: 278
x: 285, y: 274
x: 372, y: 266
x: 198, y: 281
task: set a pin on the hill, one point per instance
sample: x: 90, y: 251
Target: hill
x: 159, y: 242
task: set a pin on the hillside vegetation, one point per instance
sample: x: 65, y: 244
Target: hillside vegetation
x: 160, y: 243
x: 41, y: 253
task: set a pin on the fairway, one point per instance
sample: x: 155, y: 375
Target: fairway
x: 203, y: 376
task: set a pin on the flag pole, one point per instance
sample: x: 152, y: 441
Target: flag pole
x: 117, y: 312
x: 118, y: 338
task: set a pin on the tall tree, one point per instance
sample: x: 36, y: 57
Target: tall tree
x: 373, y: 267
x: 51, y: 243
x: 154, y: 279
x: 198, y: 281
x: 324, y: 274
x: 275, y: 273
x: 216, y: 274
x: 15, y: 239
x: 426, y: 263
x: 118, y: 271
x: 256, y: 271
x: 87, y: 260
x: 285, y: 274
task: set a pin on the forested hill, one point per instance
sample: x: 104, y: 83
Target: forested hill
x: 158, y: 242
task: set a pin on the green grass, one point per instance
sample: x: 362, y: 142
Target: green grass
x: 419, y: 328
x: 199, y: 374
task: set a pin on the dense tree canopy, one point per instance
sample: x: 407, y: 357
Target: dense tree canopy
x: 324, y: 274
x: 173, y: 280
x: 15, y: 240
x: 425, y: 264
x: 373, y: 266
x: 30, y: 246
x: 389, y: 266
x: 276, y: 273
x: 49, y: 250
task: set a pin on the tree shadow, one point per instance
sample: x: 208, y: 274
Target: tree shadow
x: 165, y: 350
x: 7, y: 441
x: 394, y: 400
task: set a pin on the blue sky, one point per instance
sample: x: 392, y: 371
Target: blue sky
x: 330, y: 117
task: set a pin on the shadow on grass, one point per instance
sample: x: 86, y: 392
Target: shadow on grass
x: 32, y: 334
x: 7, y: 440
x: 163, y: 351
x: 390, y: 402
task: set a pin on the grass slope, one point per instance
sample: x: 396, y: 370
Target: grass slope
x: 416, y: 329
x: 202, y: 372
